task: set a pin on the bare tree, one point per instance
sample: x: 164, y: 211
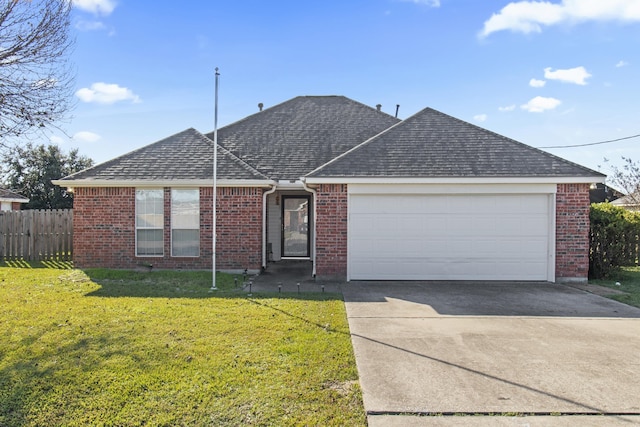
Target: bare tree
x: 36, y: 80
x: 627, y: 178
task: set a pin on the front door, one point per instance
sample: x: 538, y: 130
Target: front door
x: 295, y: 226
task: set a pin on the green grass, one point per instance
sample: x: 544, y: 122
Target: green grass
x: 107, y: 348
x: 629, y: 279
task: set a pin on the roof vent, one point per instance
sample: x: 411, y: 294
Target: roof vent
x: 260, y: 105
x: 378, y: 107
x: 397, y: 108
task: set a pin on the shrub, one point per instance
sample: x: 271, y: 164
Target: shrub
x: 613, y: 239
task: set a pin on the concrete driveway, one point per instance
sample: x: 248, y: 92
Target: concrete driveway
x: 561, y: 355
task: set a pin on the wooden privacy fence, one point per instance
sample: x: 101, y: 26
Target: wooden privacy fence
x: 36, y: 235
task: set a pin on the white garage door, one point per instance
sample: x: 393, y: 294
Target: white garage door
x: 449, y: 237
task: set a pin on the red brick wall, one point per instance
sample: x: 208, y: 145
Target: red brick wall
x: 104, y: 230
x: 572, y: 232
x: 331, y: 228
x: 239, y: 238
x: 104, y: 227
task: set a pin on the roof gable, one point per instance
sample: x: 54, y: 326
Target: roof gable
x: 293, y: 138
x: 187, y: 155
x: 431, y: 144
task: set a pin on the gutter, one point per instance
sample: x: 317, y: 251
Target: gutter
x: 457, y: 180
x: 173, y: 183
x: 264, y: 225
x: 313, y: 234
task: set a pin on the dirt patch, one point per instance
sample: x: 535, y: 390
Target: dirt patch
x: 343, y: 388
x: 598, y: 290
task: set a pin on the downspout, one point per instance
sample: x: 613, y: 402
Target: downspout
x: 264, y: 225
x: 313, y: 235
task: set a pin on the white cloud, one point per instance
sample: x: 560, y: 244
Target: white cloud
x: 622, y: 64
x: 577, y: 75
x: 105, y: 93
x: 507, y: 108
x: 480, y: 118
x: 540, y: 104
x: 530, y: 16
x: 86, y: 136
x: 97, y: 7
x: 56, y: 139
x: 524, y: 17
x: 89, y: 25
x: 430, y: 3
x: 537, y: 83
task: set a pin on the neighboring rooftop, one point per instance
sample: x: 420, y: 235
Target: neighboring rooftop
x: 8, y: 195
x: 630, y: 201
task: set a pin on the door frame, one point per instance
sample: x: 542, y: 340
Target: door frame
x: 282, y: 226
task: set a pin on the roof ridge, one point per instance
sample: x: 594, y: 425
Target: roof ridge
x: 237, y: 159
x: 368, y: 106
x: 357, y: 147
x: 252, y: 115
x: 280, y: 104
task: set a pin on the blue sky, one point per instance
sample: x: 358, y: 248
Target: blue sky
x: 561, y: 72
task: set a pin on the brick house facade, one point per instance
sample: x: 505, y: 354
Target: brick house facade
x: 273, y: 156
x: 104, y: 230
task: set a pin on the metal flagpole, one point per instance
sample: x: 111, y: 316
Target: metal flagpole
x: 215, y: 173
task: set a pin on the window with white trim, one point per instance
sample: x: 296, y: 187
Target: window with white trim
x: 185, y: 222
x: 149, y: 222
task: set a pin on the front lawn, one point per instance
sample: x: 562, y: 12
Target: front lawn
x: 134, y: 348
x: 629, y: 282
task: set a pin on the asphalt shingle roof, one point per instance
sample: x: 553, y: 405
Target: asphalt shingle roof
x: 8, y: 194
x: 187, y: 155
x: 433, y: 144
x: 334, y: 136
x: 293, y: 138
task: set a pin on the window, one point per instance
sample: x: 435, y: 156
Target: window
x: 149, y: 222
x: 185, y: 222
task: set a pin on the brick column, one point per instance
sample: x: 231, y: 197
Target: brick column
x: 572, y: 233
x: 331, y: 229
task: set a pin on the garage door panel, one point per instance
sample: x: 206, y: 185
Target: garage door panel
x: 363, y: 226
x: 449, y: 237
x: 460, y: 246
x: 484, y: 223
